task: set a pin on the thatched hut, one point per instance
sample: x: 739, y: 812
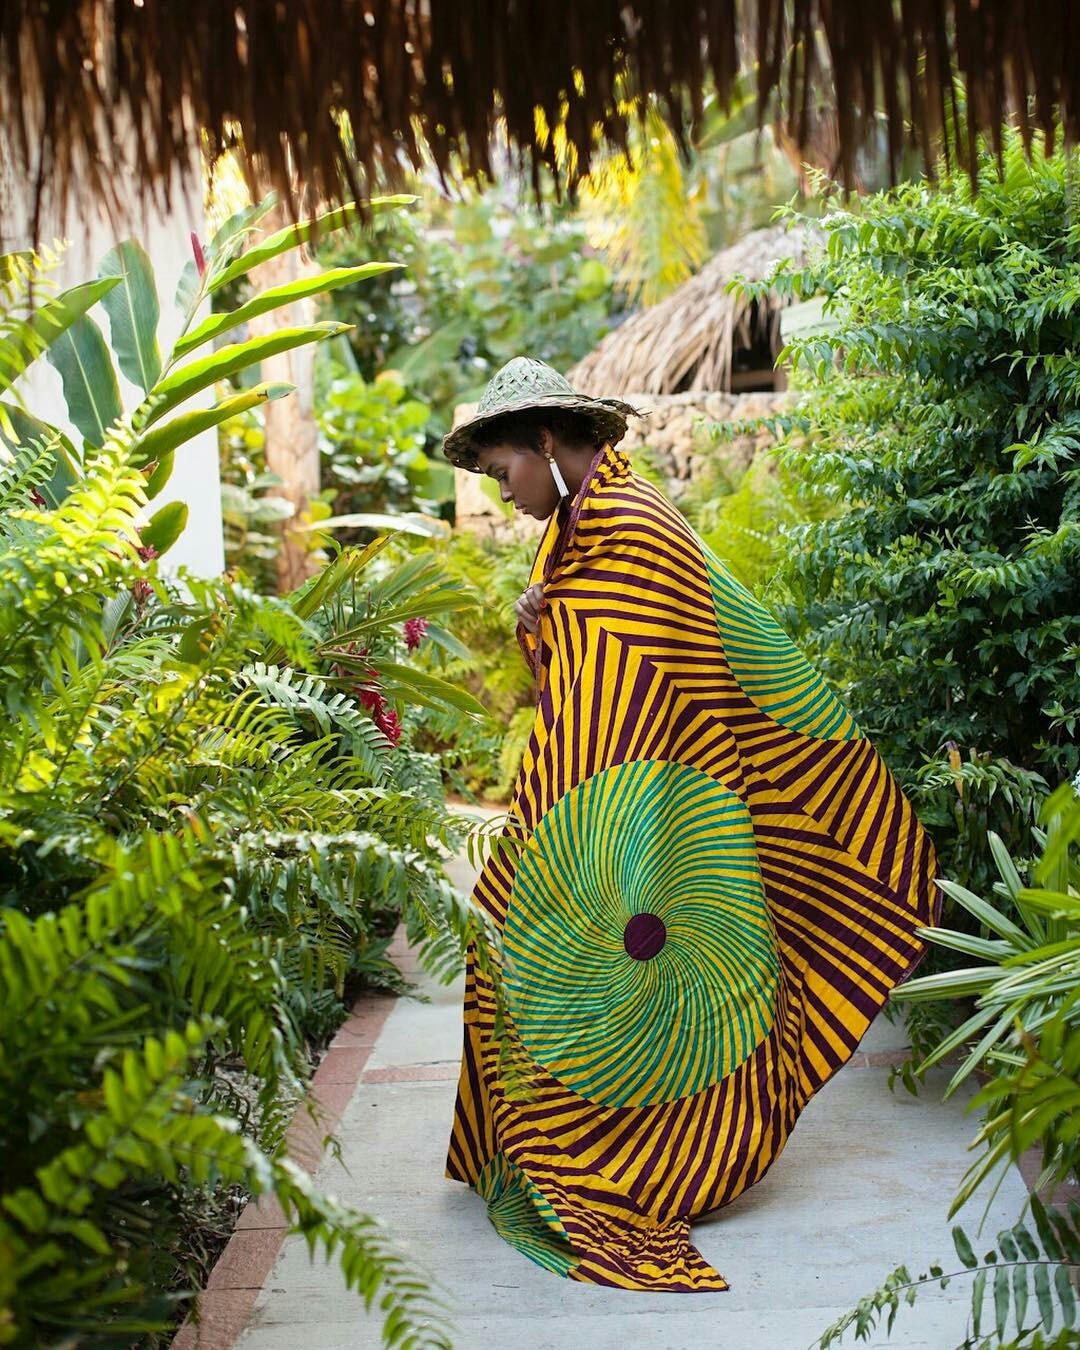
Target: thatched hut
x: 336, y: 96
x: 702, y: 336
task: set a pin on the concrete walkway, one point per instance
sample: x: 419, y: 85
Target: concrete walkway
x: 863, y: 1185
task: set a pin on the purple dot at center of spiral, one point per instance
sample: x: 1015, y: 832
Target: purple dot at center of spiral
x: 643, y: 936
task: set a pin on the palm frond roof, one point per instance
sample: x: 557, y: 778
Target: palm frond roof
x: 339, y: 95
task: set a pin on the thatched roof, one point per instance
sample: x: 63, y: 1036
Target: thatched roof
x: 688, y: 339
x: 77, y: 75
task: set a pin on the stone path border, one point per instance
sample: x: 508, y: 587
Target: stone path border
x: 237, y: 1278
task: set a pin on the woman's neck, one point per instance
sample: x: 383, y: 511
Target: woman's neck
x: 575, y: 461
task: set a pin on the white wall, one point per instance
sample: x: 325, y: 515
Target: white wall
x: 196, y: 477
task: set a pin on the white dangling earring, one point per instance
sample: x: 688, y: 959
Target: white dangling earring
x: 560, y: 481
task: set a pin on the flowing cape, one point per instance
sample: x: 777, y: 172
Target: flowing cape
x: 716, y: 884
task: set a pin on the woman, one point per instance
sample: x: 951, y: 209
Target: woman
x: 717, y: 881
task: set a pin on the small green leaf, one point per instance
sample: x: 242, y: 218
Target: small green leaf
x: 1020, y: 1293
x: 1001, y: 1299
x: 963, y: 1248
x: 1066, y: 1294
x: 1047, y: 1236
x: 978, y: 1293
x: 161, y: 474
x: 1044, y: 1297
x: 1026, y: 1242
x: 164, y: 527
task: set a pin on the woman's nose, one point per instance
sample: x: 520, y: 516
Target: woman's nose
x: 504, y: 492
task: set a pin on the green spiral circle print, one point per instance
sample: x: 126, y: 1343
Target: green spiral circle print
x: 523, y: 1217
x: 641, y: 964
x: 770, y: 669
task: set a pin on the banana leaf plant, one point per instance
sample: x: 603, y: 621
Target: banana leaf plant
x: 63, y: 329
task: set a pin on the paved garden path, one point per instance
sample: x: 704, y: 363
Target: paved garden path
x: 863, y: 1184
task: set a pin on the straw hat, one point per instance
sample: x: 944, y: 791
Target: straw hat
x: 525, y: 383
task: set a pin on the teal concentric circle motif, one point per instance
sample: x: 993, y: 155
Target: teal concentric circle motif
x: 523, y: 1217
x: 770, y: 669
x: 641, y: 964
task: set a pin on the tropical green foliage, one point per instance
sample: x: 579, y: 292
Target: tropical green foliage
x: 941, y: 597
x: 72, y: 340
x: 1025, y: 1027
x: 485, y: 758
x: 1023, y: 1037
x: 372, y: 440
x: 1024, y: 1284
x: 375, y: 473
x: 202, y: 839
x: 743, y: 512
x: 485, y: 281
x: 251, y: 505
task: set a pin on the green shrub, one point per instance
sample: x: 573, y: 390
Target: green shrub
x: 943, y: 422
x: 485, y: 759
x: 1024, y: 1037
x: 743, y: 513
x: 486, y: 281
x: 203, y: 837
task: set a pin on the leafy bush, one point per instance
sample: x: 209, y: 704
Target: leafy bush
x: 743, y: 513
x: 486, y: 281
x: 250, y: 505
x: 943, y: 422
x: 372, y: 441
x: 485, y: 759
x: 1024, y: 1037
x: 202, y: 838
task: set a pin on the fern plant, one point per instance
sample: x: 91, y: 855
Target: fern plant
x: 1025, y: 1284
x: 202, y: 839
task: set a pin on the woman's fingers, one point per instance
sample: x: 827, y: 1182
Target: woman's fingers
x: 527, y: 606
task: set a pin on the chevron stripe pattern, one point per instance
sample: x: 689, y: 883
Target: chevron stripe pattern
x: 718, y: 883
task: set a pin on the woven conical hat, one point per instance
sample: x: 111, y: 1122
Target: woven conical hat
x: 527, y: 383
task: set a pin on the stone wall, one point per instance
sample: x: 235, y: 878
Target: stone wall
x: 678, y: 447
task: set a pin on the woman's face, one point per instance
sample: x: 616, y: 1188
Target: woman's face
x: 523, y: 477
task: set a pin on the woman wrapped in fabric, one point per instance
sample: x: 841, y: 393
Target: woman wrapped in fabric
x: 718, y: 881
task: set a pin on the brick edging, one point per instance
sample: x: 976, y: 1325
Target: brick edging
x: 239, y: 1273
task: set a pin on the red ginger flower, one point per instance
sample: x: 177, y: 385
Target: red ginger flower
x: 414, y: 632
x: 371, y: 699
x: 389, y: 724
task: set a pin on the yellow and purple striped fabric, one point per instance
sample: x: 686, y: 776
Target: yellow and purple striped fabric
x: 718, y: 885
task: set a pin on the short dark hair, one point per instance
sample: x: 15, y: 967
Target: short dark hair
x: 523, y: 428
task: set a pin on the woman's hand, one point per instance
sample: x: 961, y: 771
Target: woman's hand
x: 527, y: 607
